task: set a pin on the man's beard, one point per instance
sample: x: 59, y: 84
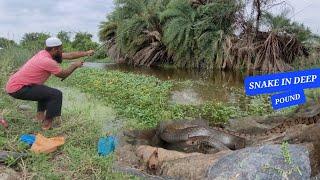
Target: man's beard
x: 58, y: 58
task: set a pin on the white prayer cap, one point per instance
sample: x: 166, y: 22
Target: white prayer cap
x: 53, y: 42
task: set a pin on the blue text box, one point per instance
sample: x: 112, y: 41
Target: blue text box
x: 289, y: 81
x: 288, y: 99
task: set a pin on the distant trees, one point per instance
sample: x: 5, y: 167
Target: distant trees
x: 34, y: 40
x: 282, y: 23
x: 5, y: 43
x: 64, y: 36
x: 83, y: 41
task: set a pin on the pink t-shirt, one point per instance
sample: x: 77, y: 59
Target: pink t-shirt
x: 35, y: 71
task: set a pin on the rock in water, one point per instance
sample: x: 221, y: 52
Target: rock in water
x: 264, y: 162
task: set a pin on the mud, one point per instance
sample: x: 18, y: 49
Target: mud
x: 8, y: 174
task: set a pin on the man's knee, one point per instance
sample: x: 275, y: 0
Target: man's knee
x: 57, y: 94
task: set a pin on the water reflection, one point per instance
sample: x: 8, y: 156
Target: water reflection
x: 224, y: 77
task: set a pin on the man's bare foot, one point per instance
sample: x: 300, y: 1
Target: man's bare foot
x: 40, y: 116
x: 46, y: 124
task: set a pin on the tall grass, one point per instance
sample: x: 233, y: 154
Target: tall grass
x: 11, y: 58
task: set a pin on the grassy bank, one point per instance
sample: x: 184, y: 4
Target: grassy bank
x: 145, y: 99
x: 82, y: 125
x: 93, y: 101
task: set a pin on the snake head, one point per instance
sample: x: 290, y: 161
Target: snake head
x: 198, y: 145
x: 207, y: 148
x: 192, y: 142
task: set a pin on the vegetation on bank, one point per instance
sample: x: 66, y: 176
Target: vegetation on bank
x: 145, y: 99
x: 214, y: 34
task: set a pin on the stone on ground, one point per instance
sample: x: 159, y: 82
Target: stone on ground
x: 265, y: 162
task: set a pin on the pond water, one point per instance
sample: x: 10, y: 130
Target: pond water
x: 192, y: 86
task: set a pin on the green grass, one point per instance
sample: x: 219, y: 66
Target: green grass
x: 136, y: 97
x: 82, y: 125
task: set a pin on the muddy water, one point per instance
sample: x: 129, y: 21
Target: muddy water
x: 192, y: 86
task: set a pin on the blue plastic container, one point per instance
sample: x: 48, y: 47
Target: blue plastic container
x: 107, y: 145
x: 28, y: 138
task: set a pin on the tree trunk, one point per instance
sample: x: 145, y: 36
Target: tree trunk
x: 257, y: 5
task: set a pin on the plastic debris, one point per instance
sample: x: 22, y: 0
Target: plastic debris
x: 46, y: 145
x: 28, y: 138
x: 107, y: 145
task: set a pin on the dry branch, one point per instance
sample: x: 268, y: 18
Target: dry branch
x: 266, y: 51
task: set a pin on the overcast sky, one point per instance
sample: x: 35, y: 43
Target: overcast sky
x: 306, y: 12
x: 20, y: 16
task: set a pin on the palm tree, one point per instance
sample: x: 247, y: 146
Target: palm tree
x: 192, y: 34
x: 136, y: 30
x: 179, y: 19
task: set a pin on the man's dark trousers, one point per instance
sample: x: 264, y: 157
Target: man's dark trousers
x: 49, y: 99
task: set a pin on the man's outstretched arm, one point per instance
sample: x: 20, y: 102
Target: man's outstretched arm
x: 66, y: 72
x: 77, y: 54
